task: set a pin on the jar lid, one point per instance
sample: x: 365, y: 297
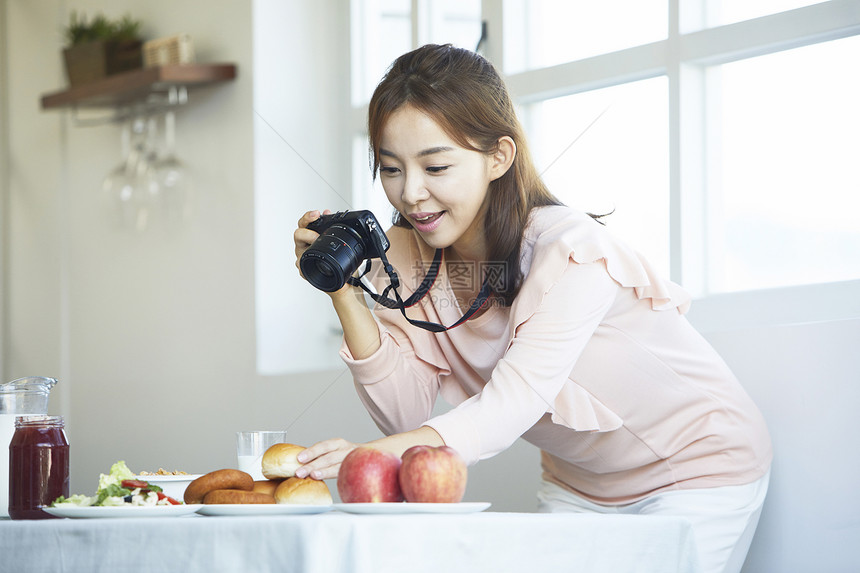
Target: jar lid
x: 39, y: 422
x: 29, y: 384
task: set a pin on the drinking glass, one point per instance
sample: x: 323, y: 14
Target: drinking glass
x: 250, y: 447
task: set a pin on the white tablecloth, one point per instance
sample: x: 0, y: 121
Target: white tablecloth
x: 337, y: 542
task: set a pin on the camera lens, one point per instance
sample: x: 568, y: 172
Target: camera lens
x: 333, y: 257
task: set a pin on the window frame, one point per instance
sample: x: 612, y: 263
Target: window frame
x: 684, y: 57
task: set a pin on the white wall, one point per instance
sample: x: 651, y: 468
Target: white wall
x: 126, y: 321
x: 803, y: 374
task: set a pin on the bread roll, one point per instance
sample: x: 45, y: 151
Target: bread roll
x: 267, y: 486
x: 280, y: 461
x: 303, y: 491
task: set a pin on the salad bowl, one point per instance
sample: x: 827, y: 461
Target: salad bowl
x: 172, y: 485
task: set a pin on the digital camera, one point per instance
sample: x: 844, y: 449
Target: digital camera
x: 347, y: 239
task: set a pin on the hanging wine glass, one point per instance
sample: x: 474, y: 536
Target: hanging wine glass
x: 119, y: 184
x: 147, y: 192
x: 172, y: 176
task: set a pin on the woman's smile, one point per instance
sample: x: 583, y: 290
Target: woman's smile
x: 426, y: 222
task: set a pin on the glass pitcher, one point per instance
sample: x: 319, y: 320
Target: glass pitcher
x: 24, y: 396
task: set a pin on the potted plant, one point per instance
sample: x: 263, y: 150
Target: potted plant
x: 101, y: 47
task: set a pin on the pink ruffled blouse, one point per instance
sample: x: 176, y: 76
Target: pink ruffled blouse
x: 594, y: 363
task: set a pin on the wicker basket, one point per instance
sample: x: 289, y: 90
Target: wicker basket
x: 167, y: 51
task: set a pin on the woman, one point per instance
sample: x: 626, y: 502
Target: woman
x: 581, y: 349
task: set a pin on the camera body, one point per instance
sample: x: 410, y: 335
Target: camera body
x: 347, y: 239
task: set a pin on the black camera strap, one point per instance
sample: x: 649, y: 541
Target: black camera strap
x: 420, y: 292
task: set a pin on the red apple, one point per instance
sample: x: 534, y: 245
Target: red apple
x: 369, y: 475
x: 433, y: 475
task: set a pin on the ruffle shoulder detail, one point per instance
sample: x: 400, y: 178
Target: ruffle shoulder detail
x: 557, y: 235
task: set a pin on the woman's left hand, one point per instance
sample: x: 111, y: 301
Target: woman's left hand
x: 322, y: 460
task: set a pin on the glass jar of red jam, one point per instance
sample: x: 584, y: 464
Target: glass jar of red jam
x: 38, y: 466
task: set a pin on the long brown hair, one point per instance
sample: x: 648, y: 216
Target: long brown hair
x: 462, y: 92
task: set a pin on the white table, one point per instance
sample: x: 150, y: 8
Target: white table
x: 337, y: 542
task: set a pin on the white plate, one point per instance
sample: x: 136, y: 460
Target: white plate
x: 260, y: 509
x: 405, y: 507
x: 123, y: 511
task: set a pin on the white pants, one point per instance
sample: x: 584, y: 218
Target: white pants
x: 724, y: 519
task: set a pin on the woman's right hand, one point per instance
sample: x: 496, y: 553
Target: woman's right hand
x: 359, y: 327
x: 304, y: 238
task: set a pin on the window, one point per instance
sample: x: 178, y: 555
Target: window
x: 381, y: 31
x: 607, y: 151
x: 785, y: 195
x: 725, y: 135
x: 730, y: 11
x: 455, y: 22
x: 548, y: 32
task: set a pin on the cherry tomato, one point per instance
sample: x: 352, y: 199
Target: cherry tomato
x: 134, y: 483
x: 169, y: 499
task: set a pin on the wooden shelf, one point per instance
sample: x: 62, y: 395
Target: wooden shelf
x: 137, y: 86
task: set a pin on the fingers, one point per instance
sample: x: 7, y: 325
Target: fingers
x: 304, y: 237
x: 309, y: 217
x: 320, y: 448
x: 322, y: 460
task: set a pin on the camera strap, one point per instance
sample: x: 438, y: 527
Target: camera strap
x: 420, y: 292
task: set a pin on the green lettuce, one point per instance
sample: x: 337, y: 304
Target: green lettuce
x: 77, y: 500
x: 112, y: 490
x: 118, y: 472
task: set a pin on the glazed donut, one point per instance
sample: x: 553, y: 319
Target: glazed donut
x: 267, y: 486
x: 232, y: 496
x: 219, y: 479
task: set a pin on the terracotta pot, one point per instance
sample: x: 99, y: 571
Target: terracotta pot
x: 92, y: 61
